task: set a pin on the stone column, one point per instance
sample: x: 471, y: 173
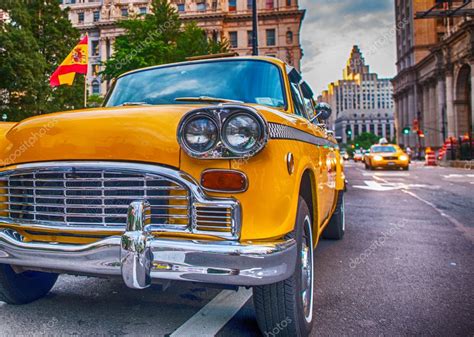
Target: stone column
x: 376, y: 128
x: 384, y: 129
x: 441, y: 100
x: 411, y: 117
x: 344, y: 134
x: 471, y: 126
x: 359, y: 125
x: 352, y: 129
x: 450, y: 104
x: 391, y: 131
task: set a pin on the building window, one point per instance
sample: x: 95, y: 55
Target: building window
x: 232, y: 5
x: 289, y: 37
x: 288, y: 2
x: 214, y: 5
x: 181, y: 8
x: 233, y: 39
x: 249, y: 4
x: 249, y: 38
x: 271, y: 37
x: 201, y: 6
x: 95, y: 87
x: 124, y: 12
x: 80, y: 17
x: 143, y: 10
x: 269, y: 4
x: 95, y: 48
x: 96, y: 16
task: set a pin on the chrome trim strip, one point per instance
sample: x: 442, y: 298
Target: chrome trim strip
x: 197, y: 196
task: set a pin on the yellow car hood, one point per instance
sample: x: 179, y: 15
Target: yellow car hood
x: 141, y: 133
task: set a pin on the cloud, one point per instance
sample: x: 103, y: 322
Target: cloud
x: 331, y: 28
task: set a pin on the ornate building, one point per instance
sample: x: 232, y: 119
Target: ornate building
x: 435, y: 60
x: 361, y: 101
x: 279, y: 26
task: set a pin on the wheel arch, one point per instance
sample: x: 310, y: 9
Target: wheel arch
x: 308, y: 193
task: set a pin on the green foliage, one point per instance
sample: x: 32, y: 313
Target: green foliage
x: 364, y: 140
x: 32, y: 45
x: 158, y: 38
x: 94, y: 101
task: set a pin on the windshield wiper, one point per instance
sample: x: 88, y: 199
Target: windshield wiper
x: 206, y: 99
x: 133, y: 103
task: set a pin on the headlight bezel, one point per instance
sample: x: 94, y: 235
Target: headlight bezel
x: 221, y: 115
x: 185, y: 143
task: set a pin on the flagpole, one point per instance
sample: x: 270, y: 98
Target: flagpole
x: 85, y: 91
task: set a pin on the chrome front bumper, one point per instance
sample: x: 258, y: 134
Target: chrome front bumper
x: 141, y: 258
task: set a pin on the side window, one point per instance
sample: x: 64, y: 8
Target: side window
x: 297, y: 100
x: 309, y: 104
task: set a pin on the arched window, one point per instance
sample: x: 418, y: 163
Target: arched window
x: 289, y: 37
x: 95, y: 87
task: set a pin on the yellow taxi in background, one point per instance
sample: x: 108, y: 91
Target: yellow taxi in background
x: 386, y: 156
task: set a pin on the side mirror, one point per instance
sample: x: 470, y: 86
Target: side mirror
x: 323, y: 111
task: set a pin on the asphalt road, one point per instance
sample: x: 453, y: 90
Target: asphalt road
x: 404, y: 267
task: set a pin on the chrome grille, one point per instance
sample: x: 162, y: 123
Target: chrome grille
x: 91, y: 198
x: 390, y: 158
x: 213, y: 219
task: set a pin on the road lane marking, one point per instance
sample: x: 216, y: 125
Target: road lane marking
x: 390, y: 186
x: 214, y: 316
x: 467, y: 231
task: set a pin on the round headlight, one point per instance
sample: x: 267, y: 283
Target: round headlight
x: 241, y: 133
x: 200, y: 134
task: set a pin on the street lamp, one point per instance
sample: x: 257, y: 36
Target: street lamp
x: 254, y: 28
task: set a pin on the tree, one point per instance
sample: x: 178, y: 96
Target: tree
x: 365, y: 140
x: 158, y: 38
x: 33, y: 43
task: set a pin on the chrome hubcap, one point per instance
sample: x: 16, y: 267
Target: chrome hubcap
x: 306, y: 256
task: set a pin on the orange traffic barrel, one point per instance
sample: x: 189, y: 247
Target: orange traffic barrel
x: 430, y: 158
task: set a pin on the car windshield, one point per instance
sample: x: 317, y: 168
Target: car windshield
x: 250, y: 81
x: 383, y: 149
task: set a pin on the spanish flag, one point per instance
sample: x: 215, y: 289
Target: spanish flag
x: 75, y: 63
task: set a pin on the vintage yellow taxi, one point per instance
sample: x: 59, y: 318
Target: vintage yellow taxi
x: 218, y: 171
x: 386, y: 156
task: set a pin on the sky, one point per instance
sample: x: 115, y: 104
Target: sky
x: 330, y: 29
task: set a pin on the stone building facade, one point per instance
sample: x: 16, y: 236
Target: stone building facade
x: 433, y: 90
x: 278, y: 30
x: 361, y: 101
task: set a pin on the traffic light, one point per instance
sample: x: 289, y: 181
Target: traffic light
x: 406, y: 131
x: 349, y: 131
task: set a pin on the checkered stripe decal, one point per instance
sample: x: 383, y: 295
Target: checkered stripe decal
x: 280, y: 131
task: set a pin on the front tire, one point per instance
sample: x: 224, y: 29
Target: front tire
x: 337, y: 225
x: 286, y: 308
x: 26, y: 287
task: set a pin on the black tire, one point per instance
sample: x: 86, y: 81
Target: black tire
x: 337, y: 225
x: 279, y: 307
x: 406, y: 168
x: 24, y: 287
x: 366, y: 166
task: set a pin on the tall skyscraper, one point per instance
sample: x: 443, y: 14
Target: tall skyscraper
x: 361, y: 101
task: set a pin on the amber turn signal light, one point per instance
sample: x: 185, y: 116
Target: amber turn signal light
x: 228, y: 181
